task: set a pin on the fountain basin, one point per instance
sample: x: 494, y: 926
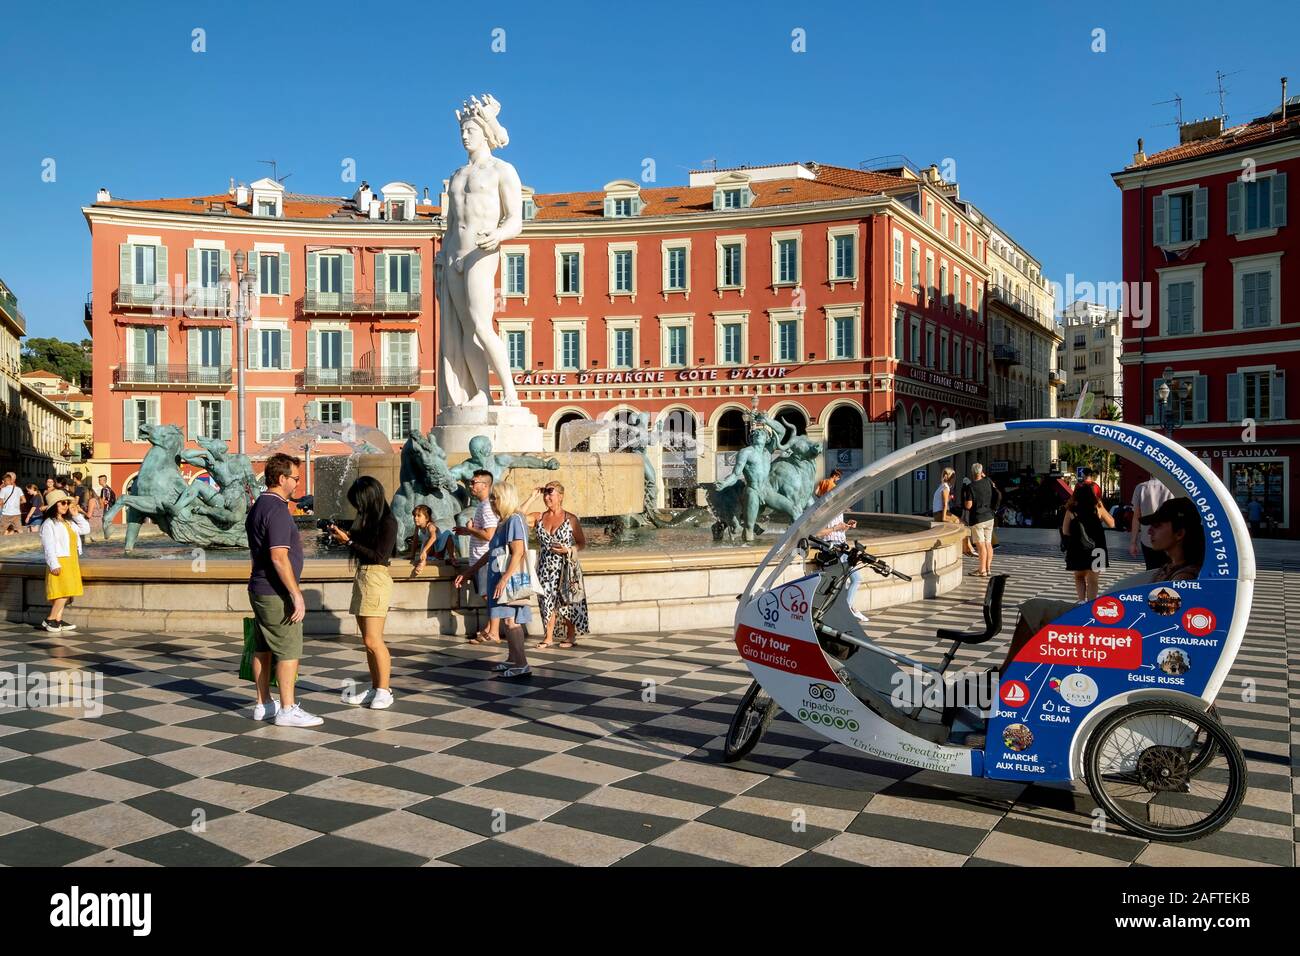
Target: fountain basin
x: 629, y: 590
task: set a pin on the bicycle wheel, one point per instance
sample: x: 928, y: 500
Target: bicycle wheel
x: 1139, y: 765
x: 757, y: 709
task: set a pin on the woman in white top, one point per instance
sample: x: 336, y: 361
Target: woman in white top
x: 61, y: 533
x: 834, y: 533
x: 943, y: 495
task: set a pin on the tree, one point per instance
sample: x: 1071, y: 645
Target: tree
x: 67, y: 360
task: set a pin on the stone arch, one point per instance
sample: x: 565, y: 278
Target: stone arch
x: 723, y: 409
x: 730, y: 431
x: 792, y: 414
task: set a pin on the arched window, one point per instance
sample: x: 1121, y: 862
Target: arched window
x: 731, y: 431
x: 572, y: 441
x: 677, y: 430
x: 625, y: 437
x: 844, y: 430
x: 793, y: 417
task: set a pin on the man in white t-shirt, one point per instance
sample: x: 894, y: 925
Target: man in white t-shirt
x: 481, y: 528
x: 1147, y: 498
x: 11, y: 504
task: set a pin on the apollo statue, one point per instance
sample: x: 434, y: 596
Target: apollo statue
x: 484, y: 209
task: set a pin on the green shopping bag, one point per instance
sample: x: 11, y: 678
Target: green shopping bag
x: 250, y: 648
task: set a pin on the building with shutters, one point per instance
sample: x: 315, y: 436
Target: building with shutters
x: 340, y: 316
x: 1210, y: 264
x: 13, y: 326
x: 73, y: 401
x: 1089, y: 355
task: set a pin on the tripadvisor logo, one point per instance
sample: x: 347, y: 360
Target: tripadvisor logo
x: 828, y: 719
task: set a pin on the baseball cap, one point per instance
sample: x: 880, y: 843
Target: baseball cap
x: 1179, y: 512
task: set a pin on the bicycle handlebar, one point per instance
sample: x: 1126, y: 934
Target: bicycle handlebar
x: 857, y: 554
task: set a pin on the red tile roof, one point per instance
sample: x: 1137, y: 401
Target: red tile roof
x: 1257, y: 131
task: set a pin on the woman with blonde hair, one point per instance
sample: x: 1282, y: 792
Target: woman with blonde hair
x: 507, y: 550
x: 943, y: 496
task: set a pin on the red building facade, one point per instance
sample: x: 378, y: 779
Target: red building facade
x: 1210, y: 268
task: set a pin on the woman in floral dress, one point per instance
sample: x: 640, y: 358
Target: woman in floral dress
x: 559, y: 534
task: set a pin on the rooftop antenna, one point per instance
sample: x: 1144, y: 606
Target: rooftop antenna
x: 712, y: 161
x: 274, y: 170
x: 1177, y: 99
x: 1220, y: 76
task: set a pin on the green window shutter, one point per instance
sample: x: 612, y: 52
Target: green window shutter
x: 1234, y: 207
x: 191, y: 266
x: 415, y: 416
x: 717, y: 198
x: 347, y: 411
x: 312, y: 411
x: 138, y: 354
x: 1277, y: 394
x: 195, y: 347
x: 381, y: 273
x: 227, y: 335
x: 1264, y: 298
x: 192, y: 410
x: 160, y: 347
x: 1158, y: 217
x: 312, y: 348
x: 609, y: 208
x: 286, y: 347
x: 1235, y: 388
x: 225, y: 263
x: 416, y: 273
x: 347, y: 273
x: 1201, y: 399
x: 383, y: 418
x: 1279, y: 200
x: 311, y: 272
x: 746, y: 197
x: 128, y: 420
x: 347, y: 349
x: 285, y: 286
x: 160, y: 267
x: 637, y: 206
x: 125, y: 266
x: 226, y: 423
x: 254, y: 348
x: 1200, y: 213
x: 152, y: 409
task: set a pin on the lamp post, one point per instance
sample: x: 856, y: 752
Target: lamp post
x: 1166, y: 391
x: 246, y: 275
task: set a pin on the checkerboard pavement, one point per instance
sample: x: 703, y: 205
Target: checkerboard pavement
x: 574, y: 767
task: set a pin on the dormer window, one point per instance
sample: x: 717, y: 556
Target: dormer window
x: 397, y: 209
x: 622, y: 199
x: 399, y: 202
x: 530, y: 207
x: 266, y: 207
x: 267, y: 200
x: 732, y: 192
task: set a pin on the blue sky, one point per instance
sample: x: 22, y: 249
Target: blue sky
x: 1012, y: 93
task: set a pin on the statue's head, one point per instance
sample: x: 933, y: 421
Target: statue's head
x: 214, y: 446
x: 759, y: 437
x: 164, y: 436
x: 479, y: 126
x: 480, y: 447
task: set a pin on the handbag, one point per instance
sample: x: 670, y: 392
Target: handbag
x: 572, y: 588
x: 520, y: 588
x: 250, y: 648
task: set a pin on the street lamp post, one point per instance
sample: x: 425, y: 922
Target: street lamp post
x: 1165, y: 392
x: 246, y: 274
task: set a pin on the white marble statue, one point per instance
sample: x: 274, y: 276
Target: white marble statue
x: 484, y: 209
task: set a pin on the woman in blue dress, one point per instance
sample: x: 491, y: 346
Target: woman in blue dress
x: 507, y: 548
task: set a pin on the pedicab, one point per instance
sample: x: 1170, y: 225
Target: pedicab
x: 1118, y: 691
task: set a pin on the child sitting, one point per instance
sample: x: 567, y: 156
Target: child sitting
x: 428, y: 538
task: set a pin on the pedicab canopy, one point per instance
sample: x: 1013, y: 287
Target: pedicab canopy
x: 1146, y: 636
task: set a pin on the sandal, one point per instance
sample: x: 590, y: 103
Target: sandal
x: 546, y: 645
x: 502, y: 666
x: 514, y: 672
x: 567, y: 644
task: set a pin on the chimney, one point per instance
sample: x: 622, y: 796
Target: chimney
x: 1140, y: 156
x: 103, y: 195
x: 426, y: 196
x: 1284, y: 99
x: 231, y: 190
x: 363, y: 197
x: 442, y: 198
x: 375, y: 206
x: 1200, y: 129
x: 932, y: 174
x: 242, y: 196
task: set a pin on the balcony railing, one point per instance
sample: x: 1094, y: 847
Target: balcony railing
x: 1007, y: 353
x: 173, y: 376
x: 360, y: 379
x: 1055, y: 377
x: 1024, y: 307
x: 9, y: 306
x: 362, y: 303
x: 212, y: 299
x: 1006, y: 413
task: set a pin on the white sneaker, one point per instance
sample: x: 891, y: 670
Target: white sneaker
x: 270, y: 709
x: 382, y: 700
x: 295, y: 716
x: 65, y: 626
x: 361, y: 697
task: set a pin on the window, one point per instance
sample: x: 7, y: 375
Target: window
x: 1080, y: 340
x: 898, y: 258
x: 209, y: 350
x: 136, y: 413
x: 399, y: 272
x: 621, y: 207
x: 845, y: 258
x: 209, y: 268
x: 268, y: 348
x: 570, y: 350
x: 943, y: 283
x: 270, y: 419
x: 731, y: 344
x: 979, y: 364
x: 1256, y: 393
x: 1257, y: 205
x: 1180, y: 217
x: 1180, y: 308
x: 731, y: 198
x: 399, y: 350
x: 148, y: 349
x: 916, y: 266
x: 399, y: 420
x: 623, y: 348
x: 844, y: 345
x: 516, y: 348
x: 676, y: 345
x: 530, y: 208
x: 329, y: 274
x: 970, y: 295
x: 622, y: 271
x: 1258, y: 196
x: 732, y: 275
x: 929, y: 346
x: 914, y: 342
x: 570, y: 273
x: 675, y: 269
x: 929, y: 211
x: 970, y: 363
x: 268, y: 273
x: 787, y: 341
x: 330, y: 354
x: 516, y: 281
x: 1096, y: 357
x: 943, y: 223
x: 397, y: 210
x: 900, y: 336
x: 943, y: 351
x: 330, y: 413
x: 145, y: 262
x: 1256, y: 299
x: 1081, y: 362
x: 787, y: 261
x: 929, y: 273
x: 210, y: 418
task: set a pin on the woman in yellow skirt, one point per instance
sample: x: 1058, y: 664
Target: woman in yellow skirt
x: 61, y: 540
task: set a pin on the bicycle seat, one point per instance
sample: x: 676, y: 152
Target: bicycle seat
x: 992, y: 621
